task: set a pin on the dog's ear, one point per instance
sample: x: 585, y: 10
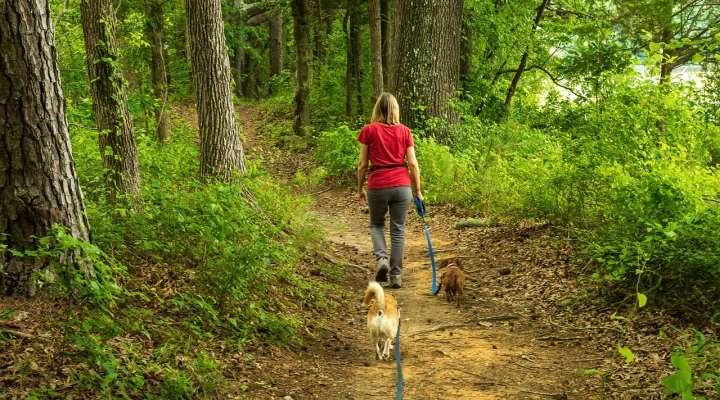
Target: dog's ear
x: 459, y: 263
x: 442, y: 264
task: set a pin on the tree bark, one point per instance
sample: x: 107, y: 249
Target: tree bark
x: 356, y: 46
x: 300, y: 10
x: 348, y: 65
x: 239, y: 62
x: 156, y: 32
x: 523, y: 62
x: 38, y: 182
x: 376, y: 49
x: 221, y: 151
x: 110, y: 104
x: 276, y: 49
x: 426, y: 58
x: 446, y: 40
x: 386, y: 40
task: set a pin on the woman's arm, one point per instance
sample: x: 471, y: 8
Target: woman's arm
x: 361, y: 172
x: 414, y: 171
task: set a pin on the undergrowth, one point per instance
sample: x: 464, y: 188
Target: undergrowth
x: 188, y: 269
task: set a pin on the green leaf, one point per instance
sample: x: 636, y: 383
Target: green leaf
x: 642, y: 300
x: 627, y: 353
x: 697, y: 58
x: 681, y: 381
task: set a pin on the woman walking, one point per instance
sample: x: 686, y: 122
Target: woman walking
x: 388, y: 146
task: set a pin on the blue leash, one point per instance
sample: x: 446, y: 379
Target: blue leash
x: 421, y: 212
x: 398, y: 363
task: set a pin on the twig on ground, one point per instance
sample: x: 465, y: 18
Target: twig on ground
x: 588, y: 328
x: 558, y: 396
x: 445, y: 353
x: 440, y: 328
x: 559, y: 338
x: 498, y: 318
x: 528, y: 366
x: 590, y: 359
x: 463, y: 371
x: 336, y: 262
x: 321, y: 192
x: 24, y: 335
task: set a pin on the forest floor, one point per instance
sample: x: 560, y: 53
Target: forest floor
x: 528, y: 327
x: 515, y: 336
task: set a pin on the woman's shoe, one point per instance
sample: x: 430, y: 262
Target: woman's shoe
x: 395, y: 282
x: 383, y: 265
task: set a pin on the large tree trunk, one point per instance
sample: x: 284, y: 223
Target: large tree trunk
x: 114, y: 122
x: 376, y: 48
x: 356, y: 49
x: 221, y: 151
x: 156, y: 32
x: 276, y: 49
x: 348, y: 65
x: 446, y: 39
x: 523, y: 62
x: 38, y: 182
x: 386, y: 40
x: 426, y: 58
x: 300, y: 9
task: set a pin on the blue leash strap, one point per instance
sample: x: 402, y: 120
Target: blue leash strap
x: 398, y: 363
x: 421, y: 212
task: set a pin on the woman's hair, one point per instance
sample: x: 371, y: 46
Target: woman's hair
x: 386, y: 110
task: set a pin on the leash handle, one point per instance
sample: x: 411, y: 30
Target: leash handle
x: 420, y: 205
x: 398, y: 363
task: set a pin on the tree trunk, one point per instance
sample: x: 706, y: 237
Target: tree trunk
x: 356, y: 46
x: 348, y: 65
x: 156, y: 32
x: 114, y: 122
x: 666, y: 66
x: 376, y: 46
x: 249, y: 82
x: 276, y: 49
x: 523, y: 62
x: 426, y: 58
x: 466, y: 51
x: 386, y: 40
x: 221, y: 151
x: 300, y: 10
x: 239, y: 61
x: 446, y: 40
x: 38, y: 182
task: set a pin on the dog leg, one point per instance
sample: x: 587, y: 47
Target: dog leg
x: 378, y: 356
x: 386, y: 350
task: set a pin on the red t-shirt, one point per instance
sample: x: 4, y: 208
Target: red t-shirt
x: 387, y: 145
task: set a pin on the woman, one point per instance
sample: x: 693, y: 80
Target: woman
x: 389, y: 147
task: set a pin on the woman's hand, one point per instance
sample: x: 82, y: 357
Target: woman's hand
x: 418, y: 194
x: 362, y: 198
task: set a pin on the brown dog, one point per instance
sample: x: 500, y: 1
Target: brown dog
x: 453, y: 278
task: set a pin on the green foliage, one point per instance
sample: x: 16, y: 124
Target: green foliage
x: 697, y: 368
x: 338, y: 151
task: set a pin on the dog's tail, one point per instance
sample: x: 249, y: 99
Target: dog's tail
x: 374, y: 290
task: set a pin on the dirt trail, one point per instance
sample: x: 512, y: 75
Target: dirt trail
x: 489, y: 350
x: 499, y: 345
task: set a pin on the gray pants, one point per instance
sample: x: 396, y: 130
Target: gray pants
x: 398, y: 200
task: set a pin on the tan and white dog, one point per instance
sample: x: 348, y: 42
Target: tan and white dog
x: 382, y: 319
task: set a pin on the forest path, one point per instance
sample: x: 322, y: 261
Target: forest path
x: 500, y: 345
